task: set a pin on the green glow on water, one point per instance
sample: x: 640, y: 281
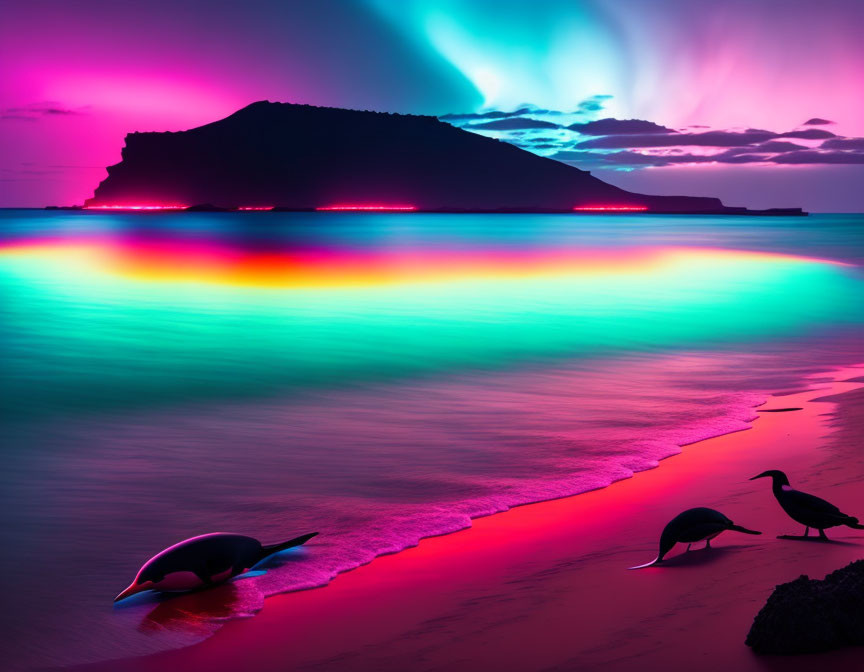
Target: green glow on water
x: 77, y: 336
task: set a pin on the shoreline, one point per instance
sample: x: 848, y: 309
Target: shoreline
x: 724, y: 211
x: 473, y: 595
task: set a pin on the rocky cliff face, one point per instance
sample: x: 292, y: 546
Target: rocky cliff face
x: 299, y: 156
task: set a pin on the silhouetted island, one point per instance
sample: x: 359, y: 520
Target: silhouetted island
x: 300, y: 157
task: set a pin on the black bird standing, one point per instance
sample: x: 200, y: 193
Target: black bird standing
x: 700, y: 524
x: 806, y: 509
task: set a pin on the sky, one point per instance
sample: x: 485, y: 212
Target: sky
x: 759, y: 103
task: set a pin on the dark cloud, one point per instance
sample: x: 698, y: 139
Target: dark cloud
x: 731, y: 155
x: 36, y: 111
x: 628, y: 158
x: 706, y: 139
x: 592, y: 104
x: 514, y: 124
x: 576, y: 155
x: 493, y: 114
x: 634, y: 159
x: 815, y: 156
x: 611, y: 126
x: 617, y: 141
x: 739, y: 158
x: 844, y: 143
x: 498, y: 114
x: 776, y: 146
x: 809, y: 134
x: 587, y: 106
x: 816, y: 121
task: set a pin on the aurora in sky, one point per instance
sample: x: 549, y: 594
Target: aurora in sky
x: 75, y: 78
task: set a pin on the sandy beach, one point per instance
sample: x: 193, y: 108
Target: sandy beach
x: 545, y: 586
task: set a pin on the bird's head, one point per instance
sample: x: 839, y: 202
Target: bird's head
x: 146, y: 579
x: 776, y: 475
x: 137, y: 586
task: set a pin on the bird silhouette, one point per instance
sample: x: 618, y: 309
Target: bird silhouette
x: 806, y: 509
x: 205, y: 560
x: 699, y: 524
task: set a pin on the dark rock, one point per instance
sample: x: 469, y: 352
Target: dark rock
x: 808, y: 615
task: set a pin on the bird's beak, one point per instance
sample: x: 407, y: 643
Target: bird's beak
x: 762, y: 475
x: 133, y: 589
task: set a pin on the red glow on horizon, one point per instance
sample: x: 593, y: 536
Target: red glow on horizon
x: 256, y: 208
x: 364, y: 208
x: 611, y: 208
x: 135, y: 207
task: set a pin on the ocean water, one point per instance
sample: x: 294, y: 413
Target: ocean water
x: 376, y: 378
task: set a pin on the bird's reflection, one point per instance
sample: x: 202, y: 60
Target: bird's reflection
x: 194, y: 612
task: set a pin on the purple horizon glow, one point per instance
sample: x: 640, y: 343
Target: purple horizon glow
x: 74, y: 80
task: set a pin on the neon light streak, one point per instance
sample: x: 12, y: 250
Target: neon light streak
x: 611, y: 208
x: 256, y: 207
x: 135, y: 207
x: 169, y: 259
x: 363, y: 208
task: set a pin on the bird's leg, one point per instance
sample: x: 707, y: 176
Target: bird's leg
x: 688, y: 548
x: 806, y: 536
x: 707, y: 543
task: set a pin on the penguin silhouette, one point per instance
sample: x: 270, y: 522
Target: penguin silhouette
x: 808, y: 510
x: 699, y: 524
x: 206, y: 560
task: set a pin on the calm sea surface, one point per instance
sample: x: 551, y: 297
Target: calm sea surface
x: 377, y: 378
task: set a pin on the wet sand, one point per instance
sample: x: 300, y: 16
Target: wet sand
x: 545, y: 586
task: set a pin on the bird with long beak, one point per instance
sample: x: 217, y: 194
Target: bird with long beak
x: 806, y: 509
x: 700, y: 524
x: 201, y: 561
